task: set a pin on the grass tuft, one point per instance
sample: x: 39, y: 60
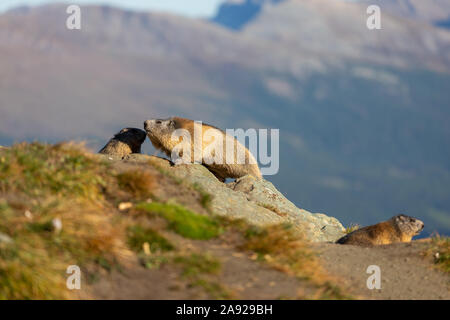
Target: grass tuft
x: 137, y: 182
x: 440, y: 250
x: 197, y: 264
x: 183, y: 221
x: 196, y: 268
x: 352, y: 227
x: 286, y: 250
x: 138, y: 236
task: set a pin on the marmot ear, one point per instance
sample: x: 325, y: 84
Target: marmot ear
x: 172, y: 123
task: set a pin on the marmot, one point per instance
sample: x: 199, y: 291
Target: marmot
x: 400, y: 228
x: 160, y: 132
x: 127, y: 141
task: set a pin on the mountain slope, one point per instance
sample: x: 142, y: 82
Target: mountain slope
x: 338, y: 29
x: 235, y: 14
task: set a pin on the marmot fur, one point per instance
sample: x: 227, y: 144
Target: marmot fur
x: 160, y: 132
x: 127, y: 141
x: 400, y: 228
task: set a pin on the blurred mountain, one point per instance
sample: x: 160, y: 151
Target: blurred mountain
x: 234, y: 14
x: 363, y: 115
x: 338, y: 30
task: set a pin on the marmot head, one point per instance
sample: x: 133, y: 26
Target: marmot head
x: 131, y: 135
x: 126, y: 141
x: 159, y: 127
x: 159, y: 130
x: 408, y: 225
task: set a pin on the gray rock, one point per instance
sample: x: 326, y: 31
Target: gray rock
x: 317, y: 227
x: 256, y: 201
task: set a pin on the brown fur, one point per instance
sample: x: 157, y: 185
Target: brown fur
x: 400, y: 228
x: 159, y: 132
x: 127, y: 141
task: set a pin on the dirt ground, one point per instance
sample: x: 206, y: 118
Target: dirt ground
x: 243, y: 278
x: 405, y: 273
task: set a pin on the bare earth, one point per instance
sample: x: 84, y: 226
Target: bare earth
x: 241, y: 275
x: 405, y: 273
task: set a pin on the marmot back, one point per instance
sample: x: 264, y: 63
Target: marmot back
x: 400, y: 228
x: 160, y: 133
x: 125, y: 142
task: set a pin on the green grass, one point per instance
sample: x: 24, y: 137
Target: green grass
x: 38, y: 170
x: 183, y: 221
x: 352, y: 227
x: 138, y: 235
x: 197, y: 264
x: 214, y: 289
x: 440, y: 250
x: 196, y: 268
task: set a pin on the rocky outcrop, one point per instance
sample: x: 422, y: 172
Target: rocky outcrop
x: 256, y: 201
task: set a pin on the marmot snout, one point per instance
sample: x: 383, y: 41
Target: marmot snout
x: 400, y: 228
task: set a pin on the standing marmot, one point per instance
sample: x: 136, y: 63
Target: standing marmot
x: 400, y: 228
x: 160, y: 134
x: 127, y: 141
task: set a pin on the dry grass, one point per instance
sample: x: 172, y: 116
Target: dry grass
x: 439, y: 249
x: 288, y: 251
x: 40, y: 184
x: 138, y: 183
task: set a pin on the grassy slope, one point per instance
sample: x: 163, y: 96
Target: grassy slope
x: 58, y: 207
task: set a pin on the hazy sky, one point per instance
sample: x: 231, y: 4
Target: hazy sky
x: 196, y: 8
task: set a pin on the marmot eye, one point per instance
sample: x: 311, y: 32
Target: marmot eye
x: 158, y: 121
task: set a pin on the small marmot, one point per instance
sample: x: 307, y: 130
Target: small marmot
x: 400, y: 228
x: 127, y: 141
x: 160, y: 132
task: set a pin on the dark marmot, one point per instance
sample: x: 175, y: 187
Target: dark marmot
x: 127, y: 141
x: 160, y: 132
x: 400, y: 228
